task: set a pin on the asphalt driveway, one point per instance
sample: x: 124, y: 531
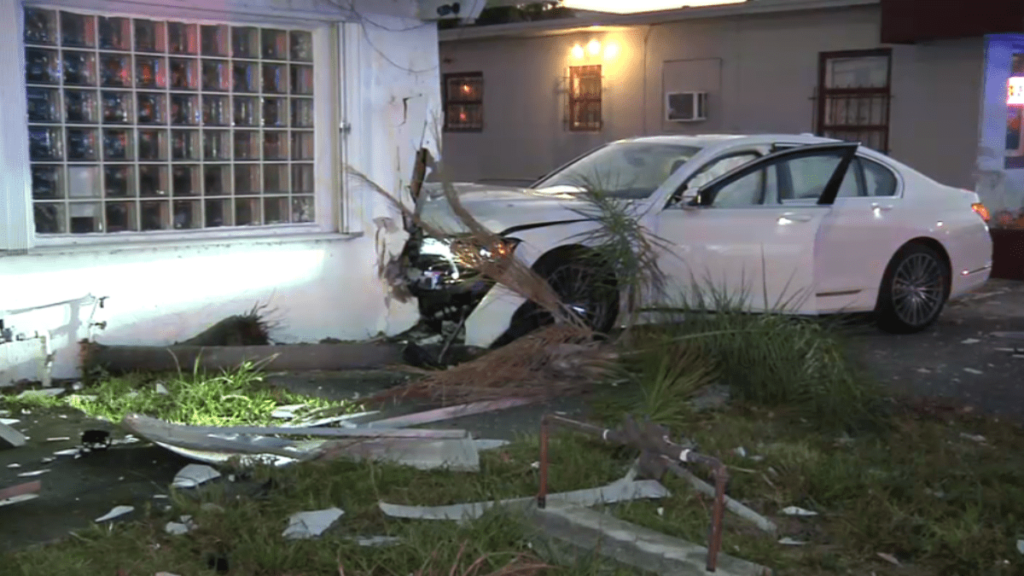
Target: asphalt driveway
x: 961, y: 357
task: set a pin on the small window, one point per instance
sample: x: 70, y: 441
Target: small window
x: 464, y: 102
x: 879, y: 180
x: 585, y: 98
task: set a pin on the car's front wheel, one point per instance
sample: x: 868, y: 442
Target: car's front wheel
x: 914, y: 290
x: 583, y: 285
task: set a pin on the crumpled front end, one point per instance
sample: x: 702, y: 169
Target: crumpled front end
x: 444, y: 275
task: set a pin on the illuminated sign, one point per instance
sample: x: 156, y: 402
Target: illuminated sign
x: 1015, y: 91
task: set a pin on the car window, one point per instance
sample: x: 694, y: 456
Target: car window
x: 744, y: 192
x: 708, y: 172
x: 878, y: 180
x: 629, y: 170
x: 809, y: 175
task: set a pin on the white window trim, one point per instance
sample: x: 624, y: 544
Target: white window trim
x: 329, y: 196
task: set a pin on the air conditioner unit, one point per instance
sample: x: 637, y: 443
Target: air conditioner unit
x: 686, y: 106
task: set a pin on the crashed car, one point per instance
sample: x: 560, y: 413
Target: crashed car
x: 801, y: 223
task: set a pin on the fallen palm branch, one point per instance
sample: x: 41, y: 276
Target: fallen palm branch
x: 553, y: 361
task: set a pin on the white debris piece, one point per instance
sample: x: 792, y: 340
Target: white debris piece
x: 9, y: 421
x: 11, y: 437
x: 47, y: 459
x: 970, y: 341
x: 303, y: 525
x: 797, y: 511
x: 179, y: 528
x: 973, y: 437
x: 33, y: 473
x: 740, y: 451
x: 787, y: 541
x: 286, y: 412
x: 483, y: 444
x: 161, y: 389
x: 45, y: 392
x: 193, y: 475
x: 889, y: 558
x: 68, y: 452
x: 1020, y: 546
x: 973, y: 371
x: 59, y: 439
x: 115, y: 512
x: 375, y: 541
x: 14, y: 465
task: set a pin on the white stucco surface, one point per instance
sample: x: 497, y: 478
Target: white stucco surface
x: 320, y: 284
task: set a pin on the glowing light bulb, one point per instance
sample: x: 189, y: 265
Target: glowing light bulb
x: 611, y: 51
x: 594, y: 47
x: 577, y: 51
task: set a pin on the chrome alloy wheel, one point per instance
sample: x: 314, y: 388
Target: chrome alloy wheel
x: 918, y: 289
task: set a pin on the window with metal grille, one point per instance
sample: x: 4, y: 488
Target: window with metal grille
x: 142, y: 125
x: 854, y: 91
x: 464, y: 102
x: 585, y: 98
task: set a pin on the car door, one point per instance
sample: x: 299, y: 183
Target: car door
x: 858, y: 238
x: 750, y: 235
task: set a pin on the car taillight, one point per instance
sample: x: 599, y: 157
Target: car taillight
x: 980, y: 210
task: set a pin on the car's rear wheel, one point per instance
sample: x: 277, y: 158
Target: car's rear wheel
x: 914, y: 290
x: 584, y: 285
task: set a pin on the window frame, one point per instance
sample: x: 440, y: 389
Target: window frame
x: 574, y: 102
x: 674, y: 201
x: 329, y: 193
x: 821, y: 99
x: 446, y: 100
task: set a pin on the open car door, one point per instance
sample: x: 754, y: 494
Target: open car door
x: 763, y: 217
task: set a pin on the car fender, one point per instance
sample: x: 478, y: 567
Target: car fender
x: 493, y: 315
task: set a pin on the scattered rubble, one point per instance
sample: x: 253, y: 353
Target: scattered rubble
x: 303, y: 525
x: 20, y: 493
x: 178, y: 528
x: 797, y: 511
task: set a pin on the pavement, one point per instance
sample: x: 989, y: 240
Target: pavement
x: 959, y: 358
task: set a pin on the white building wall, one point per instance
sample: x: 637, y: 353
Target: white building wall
x: 760, y: 71
x: 320, y: 283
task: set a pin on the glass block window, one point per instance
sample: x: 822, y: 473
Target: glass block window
x: 138, y: 125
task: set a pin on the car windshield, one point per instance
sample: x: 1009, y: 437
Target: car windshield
x: 628, y: 170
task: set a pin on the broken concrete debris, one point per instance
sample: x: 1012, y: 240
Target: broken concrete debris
x: 304, y: 525
x: 633, y: 545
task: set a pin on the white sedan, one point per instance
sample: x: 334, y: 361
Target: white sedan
x: 808, y: 224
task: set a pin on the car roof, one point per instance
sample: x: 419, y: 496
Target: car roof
x: 706, y: 140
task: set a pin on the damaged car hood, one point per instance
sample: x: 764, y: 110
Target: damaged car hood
x: 499, y: 208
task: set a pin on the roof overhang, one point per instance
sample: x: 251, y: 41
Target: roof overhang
x: 608, y: 22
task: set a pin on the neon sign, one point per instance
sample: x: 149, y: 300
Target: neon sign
x: 1015, y: 91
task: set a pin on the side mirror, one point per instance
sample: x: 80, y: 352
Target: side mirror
x: 691, y: 201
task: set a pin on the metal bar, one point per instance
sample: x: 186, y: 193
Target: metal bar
x: 651, y: 440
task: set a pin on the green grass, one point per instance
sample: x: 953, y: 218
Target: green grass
x: 230, y: 398
x: 248, y: 530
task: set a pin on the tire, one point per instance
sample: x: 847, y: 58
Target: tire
x: 582, y: 283
x: 914, y: 290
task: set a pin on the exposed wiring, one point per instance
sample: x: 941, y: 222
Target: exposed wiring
x: 363, y: 21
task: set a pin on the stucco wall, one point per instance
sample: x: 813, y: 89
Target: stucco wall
x: 320, y: 285
x: 765, y: 68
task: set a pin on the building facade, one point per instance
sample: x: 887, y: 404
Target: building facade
x: 522, y: 99
x: 186, y: 160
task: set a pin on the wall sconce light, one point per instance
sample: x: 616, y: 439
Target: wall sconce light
x: 594, y: 47
x: 577, y: 51
x: 611, y: 51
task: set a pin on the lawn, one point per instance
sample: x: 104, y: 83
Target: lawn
x: 898, y: 487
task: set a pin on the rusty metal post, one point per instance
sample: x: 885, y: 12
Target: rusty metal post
x: 656, y: 447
